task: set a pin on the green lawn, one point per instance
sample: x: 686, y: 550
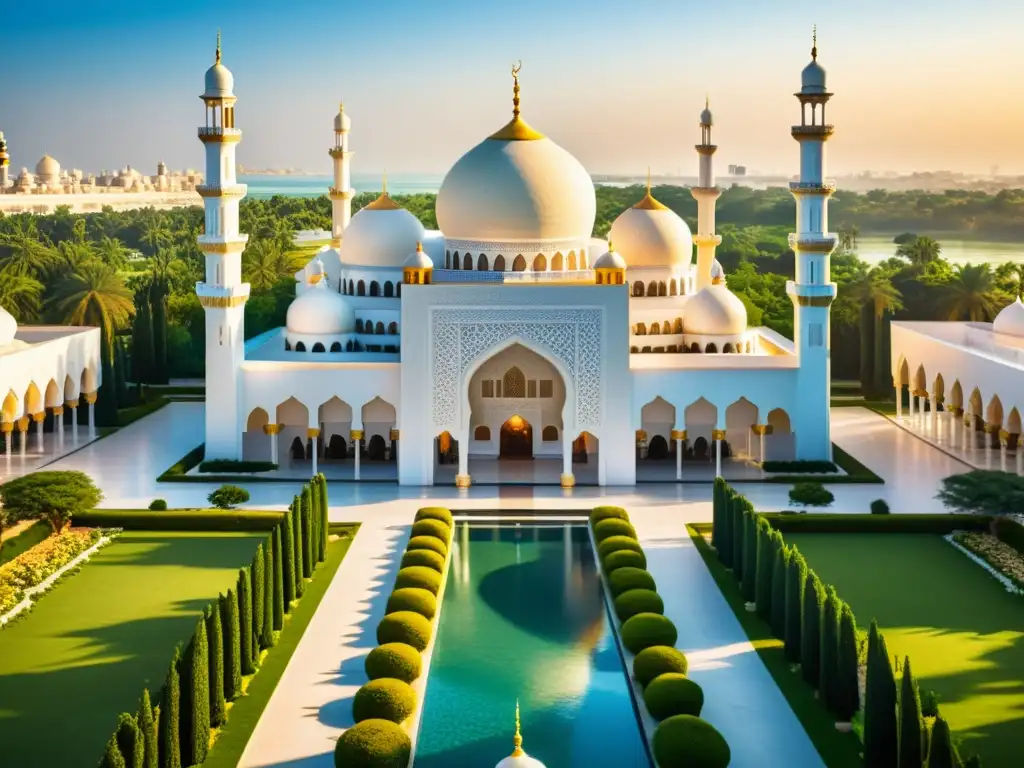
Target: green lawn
x: 13, y: 546
x: 87, y: 649
x: 963, y: 632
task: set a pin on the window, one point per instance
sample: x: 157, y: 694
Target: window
x: 336, y: 346
x: 550, y: 434
x: 811, y: 265
x: 514, y: 382
x: 318, y: 347
x: 374, y: 289
x: 359, y: 326
x: 487, y: 388
x: 393, y: 329
x: 300, y: 347
x: 380, y: 328
x: 497, y: 387
x: 482, y: 433
x: 547, y: 388
x: 815, y: 335
x: 389, y: 289
x: 531, y: 388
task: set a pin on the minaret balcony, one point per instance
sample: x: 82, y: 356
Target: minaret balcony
x: 222, y: 296
x: 706, y: 149
x: 339, y: 152
x: 813, y: 242
x: 340, y: 194
x: 215, y: 134
x: 811, y: 295
x: 221, y: 190
x: 812, y: 131
x: 826, y: 187
x: 222, y: 244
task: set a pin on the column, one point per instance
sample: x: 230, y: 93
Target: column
x: 395, y: 453
x: 933, y: 403
x: 969, y: 438
x: 568, y: 478
x: 313, y: 433
x: 1003, y: 437
x: 462, y: 479
x: 8, y: 428
x: 90, y: 398
x: 357, y: 440
x: 58, y: 423
x: 22, y: 435
x: 73, y: 405
x: 899, y: 401
x: 1019, y: 452
x: 38, y: 419
x: 679, y: 435
x: 910, y: 401
x: 272, y: 431
x: 718, y: 435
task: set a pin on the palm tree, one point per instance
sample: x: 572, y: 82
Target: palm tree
x: 154, y: 234
x: 264, y: 265
x: 972, y: 294
x: 94, y: 294
x: 875, y: 296
x: 111, y: 251
x: 19, y: 294
x: 23, y: 254
x: 1011, y: 277
x: 920, y: 251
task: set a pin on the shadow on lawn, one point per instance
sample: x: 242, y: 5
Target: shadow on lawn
x: 181, y: 551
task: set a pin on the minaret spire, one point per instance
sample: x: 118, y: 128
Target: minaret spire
x: 216, y: 59
x: 516, y: 129
x: 517, y: 740
x: 706, y: 194
x: 814, y: 43
x: 515, y: 89
x: 341, y: 191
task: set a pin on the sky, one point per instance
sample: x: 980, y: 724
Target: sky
x: 920, y: 85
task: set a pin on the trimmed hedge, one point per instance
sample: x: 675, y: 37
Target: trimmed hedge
x: 435, y: 528
x: 404, y: 627
x: 604, y: 513
x: 635, y: 601
x: 394, y: 660
x: 627, y: 578
x: 436, y: 513
x: 789, y: 522
x: 673, y: 694
x: 617, y: 544
x: 413, y: 599
x: 431, y: 543
x: 613, y: 526
x: 234, y: 465
x: 685, y: 741
x: 178, y: 520
x: 1010, y: 532
x: 423, y: 557
x: 816, y: 467
x: 647, y: 629
x: 419, y: 577
x: 658, y: 660
x: 624, y: 558
x: 384, y: 699
x: 373, y: 744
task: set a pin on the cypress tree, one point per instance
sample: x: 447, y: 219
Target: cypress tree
x: 106, y: 397
x: 112, y: 757
x: 288, y: 552
x: 828, y: 657
x: 120, y: 373
x: 736, y: 535
x: 796, y: 576
x: 158, y: 302
x: 764, y: 569
x: 717, y: 493
x: 911, y: 730
x: 942, y: 753
x: 195, y: 720
x: 147, y: 724
x: 129, y: 741
x: 278, y: 623
x: 725, y: 543
x: 258, y: 582
x: 325, y: 518
x: 232, y: 646
x: 306, y: 511
x: 267, y: 630
x: 170, y: 703
x: 810, y: 629
x: 142, y: 340
x: 881, y: 747
x: 849, y: 678
x: 749, y: 583
x: 245, y: 620
x: 296, y: 514
x: 783, y: 555
x: 314, y: 522
x: 215, y: 674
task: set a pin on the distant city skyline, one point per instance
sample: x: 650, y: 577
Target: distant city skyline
x: 919, y: 86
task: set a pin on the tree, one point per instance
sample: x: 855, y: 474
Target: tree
x: 228, y: 496
x: 876, y: 297
x: 288, y: 563
x: 147, y: 724
x: 245, y: 629
x: 828, y: 657
x: 306, y: 515
x: 130, y: 742
x: 53, y: 496
x: 920, y: 251
x: 232, y: 646
x: 848, y: 689
x: 971, y: 295
x: 881, y: 746
x: 20, y: 295
x: 278, y: 578
x: 269, y: 591
x: 811, y: 494
x: 749, y: 583
x: 264, y: 265
x: 737, y: 533
x: 112, y: 757
x: 810, y: 629
x: 717, y: 505
x: 142, y: 340
x: 911, y: 724
x: 195, y: 701
x: 796, y: 577
x: 325, y: 521
x: 258, y: 582
x: 764, y: 569
x: 215, y: 673
x: 297, y: 546
x: 941, y: 752
x: 170, y: 713
x: 979, y: 492
x: 95, y: 295
x: 780, y: 565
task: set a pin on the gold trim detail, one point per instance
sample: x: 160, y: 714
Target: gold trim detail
x: 813, y: 301
x: 816, y: 246
x: 394, y: 434
x: 517, y: 740
x: 568, y: 481
x: 718, y: 434
x: 958, y: 412
x: 342, y: 194
x: 39, y: 417
x: 58, y: 410
x: 234, y: 246
x: 356, y: 434
x: 647, y: 202
x: 313, y: 432
x: 205, y: 190
x: 220, y: 138
x: 462, y: 481
x: 271, y: 429
x: 222, y: 302
x: 641, y: 435
x: 384, y: 202
x: 516, y: 129
x: 762, y: 429
x: 22, y: 424
x: 90, y: 398
x: 991, y: 429
x: 72, y: 404
x: 7, y: 427
x: 678, y: 434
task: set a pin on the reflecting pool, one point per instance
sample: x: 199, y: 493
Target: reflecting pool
x: 524, y: 617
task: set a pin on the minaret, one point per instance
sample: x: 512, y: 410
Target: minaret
x: 341, y: 193
x: 5, y: 161
x: 705, y: 193
x: 812, y: 291
x: 222, y: 294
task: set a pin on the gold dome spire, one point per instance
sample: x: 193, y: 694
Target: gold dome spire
x: 814, y: 43
x: 516, y: 129
x: 216, y: 59
x: 384, y: 203
x: 648, y: 203
x: 517, y: 740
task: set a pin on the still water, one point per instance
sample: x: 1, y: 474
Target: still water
x: 263, y: 186
x: 876, y: 248
x: 523, y: 617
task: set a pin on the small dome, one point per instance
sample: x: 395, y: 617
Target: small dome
x: 382, y: 234
x: 521, y: 760
x: 705, y: 116
x: 651, y: 234
x: 419, y: 259
x: 717, y: 272
x: 813, y: 78
x: 1010, y: 319
x: 220, y: 83
x: 8, y: 327
x: 320, y: 310
x: 47, y: 167
x: 341, y: 120
x: 610, y: 260
x: 715, y: 311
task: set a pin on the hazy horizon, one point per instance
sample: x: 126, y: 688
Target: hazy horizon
x: 918, y: 87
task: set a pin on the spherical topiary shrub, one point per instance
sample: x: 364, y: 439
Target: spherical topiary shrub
x: 421, y: 601
x: 624, y: 558
x: 395, y: 660
x: 673, y: 694
x: 604, y: 513
x: 428, y: 542
x: 373, y: 744
x: 685, y: 741
x: 157, y: 505
x: 418, y: 576
x: 425, y: 557
x: 635, y: 601
x: 435, y: 513
x: 613, y: 526
x: 434, y: 528
x: 617, y: 544
x: 658, y: 660
x: 647, y: 629
x: 384, y: 699
x: 624, y: 579
x: 404, y: 627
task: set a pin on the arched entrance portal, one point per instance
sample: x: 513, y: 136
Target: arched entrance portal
x: 516, y: 439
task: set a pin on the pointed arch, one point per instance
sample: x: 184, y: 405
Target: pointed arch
x: 779, y: 421
x: 519, y: 265
x: 572, y: 261
x: 513, y: 383
x: 467, y: 261
x: 481, y: 262
x: 258, y: 419
x: 1013, y: 422
x: 51, y: 397
x: 557, y: 265
x: 292, y: 412
x: 994, y: 412
x: 10, y: 410
x: 33, y: 399
x: 956, y: 395
x: 389, y: 289
x: 455, y: 260
x: 360, y: 288
x: 540, y: 263
x: 638, y: 289
x: 921, y: 379
x: 499, y: 263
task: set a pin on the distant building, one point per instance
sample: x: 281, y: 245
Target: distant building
x: 737, y: 170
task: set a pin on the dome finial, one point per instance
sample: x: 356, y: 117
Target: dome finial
x: 515, y: 89
x: 648, y: 180
x: 384, y: 190
x: 814, y: 43
x: 707, y: 101
x: 517, y: 740
x: 216, y: 59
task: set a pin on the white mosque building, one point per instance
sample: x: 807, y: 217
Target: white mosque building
x: 512, y: 332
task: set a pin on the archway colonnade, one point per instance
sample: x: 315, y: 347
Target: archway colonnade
x: 19, y: 412
x: 962, y: 414
x: 571, y: 261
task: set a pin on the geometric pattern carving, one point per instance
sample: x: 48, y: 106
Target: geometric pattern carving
x: 573, y: 336
x: 510, y: 249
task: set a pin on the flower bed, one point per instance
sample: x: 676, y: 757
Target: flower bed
x: 1000, y: 559
x: 32, y: 567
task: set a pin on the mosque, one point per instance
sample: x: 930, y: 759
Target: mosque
x: 512, y: 333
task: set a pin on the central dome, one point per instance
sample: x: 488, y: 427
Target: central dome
x: 650, y: 234
x: 517, y: 185
x: 381, y: 234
